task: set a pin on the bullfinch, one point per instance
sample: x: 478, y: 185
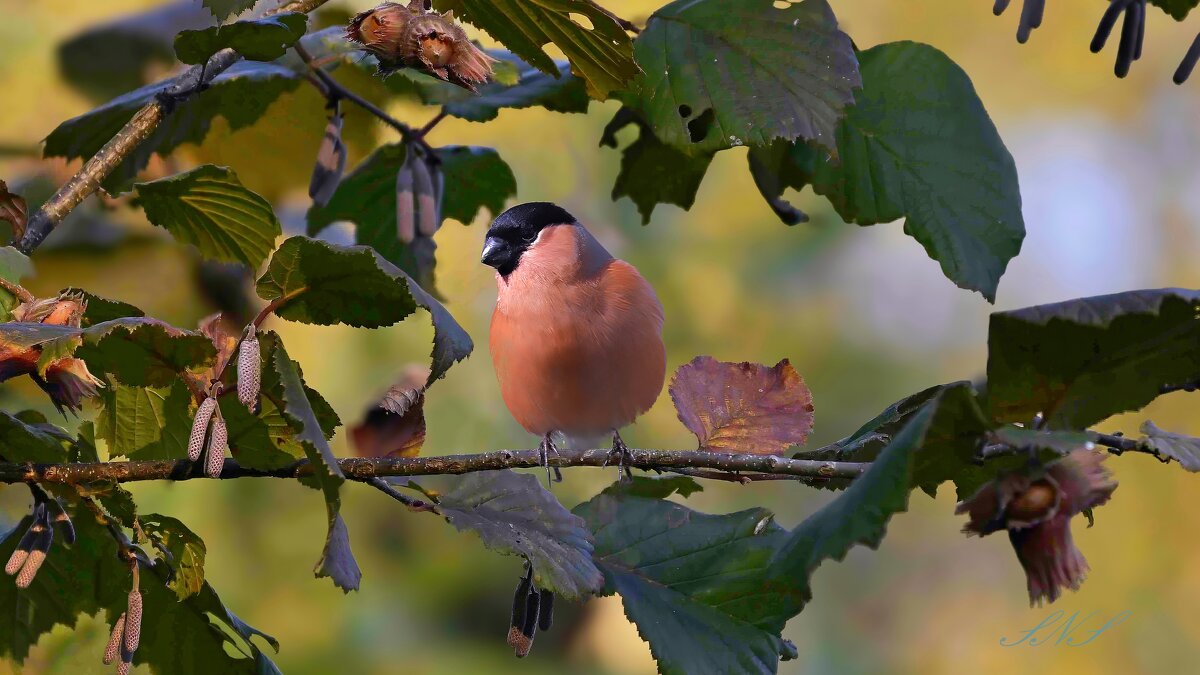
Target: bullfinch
x: 576, y: 337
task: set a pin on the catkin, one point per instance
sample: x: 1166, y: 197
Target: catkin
x: 133, y: 622
x: 406, y: 220
x: 124, y: 666
x: 218, y: 442
x: 249, y: 370
x: 546, y: 615
x: 331, y: 161
x: 30, y: 569
x: 114, y: 640
x: 428, y: 218
x: 199, y: 427
x: 15, y: 561
x: 21, y: 553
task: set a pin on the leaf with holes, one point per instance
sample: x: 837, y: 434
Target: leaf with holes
x: 720, y: 74
x: 653, y: 172
x: 1179, y: 447
x: 187, y: 552
x: 325, y: 284
x: 1081, y: 361
x: 743, y: 407
x: 240, y: 95
x: 263, y: 39
x: 515, y: 515
x: 209, y: 208
x: 601, y: 54
x: 917, y: 145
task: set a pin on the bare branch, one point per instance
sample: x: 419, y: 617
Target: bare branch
x: 364, y: 469
x: 135, y: 131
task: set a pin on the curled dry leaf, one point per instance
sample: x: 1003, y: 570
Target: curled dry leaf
x: 12, y: 210
x: 413, y: 36
x: 395, y: 427
x: 743, y: 407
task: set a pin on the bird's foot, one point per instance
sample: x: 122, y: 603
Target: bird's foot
x: 544, y: 449
x: 621, y: 456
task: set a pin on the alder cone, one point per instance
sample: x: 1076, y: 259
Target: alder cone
x: 200, y: 427
x: 410, y: 36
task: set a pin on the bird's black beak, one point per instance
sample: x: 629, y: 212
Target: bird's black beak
x: 496, y: 252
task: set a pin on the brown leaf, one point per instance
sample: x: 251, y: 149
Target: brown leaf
x: 12, y: 210
x: 395, y: 427
x: 743, y: 407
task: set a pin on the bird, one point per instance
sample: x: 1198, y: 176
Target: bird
x: 576, y: 335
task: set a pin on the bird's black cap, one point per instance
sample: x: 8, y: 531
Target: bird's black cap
x: 515, y: 230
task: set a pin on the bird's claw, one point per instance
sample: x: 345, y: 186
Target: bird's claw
x: 544, y: 449
x: 621, y: 456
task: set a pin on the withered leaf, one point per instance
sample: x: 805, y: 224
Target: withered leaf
x: 12, y: 210
x: 395, y: 427
x: 743, y: 407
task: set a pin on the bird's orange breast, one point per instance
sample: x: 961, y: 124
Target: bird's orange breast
x: 577, y: 347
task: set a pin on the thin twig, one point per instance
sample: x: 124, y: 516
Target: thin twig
x: 412, y: 504
x: 135, y: 131
x: 362, y: 469
x: 424, y: 131
x: 334, y: 90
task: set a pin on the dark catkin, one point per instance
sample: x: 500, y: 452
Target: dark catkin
x: 1125, y: 49
x: 331, y: 161
x: 999, y: 7
x: 533, y: 601
x: 37, y: 554
x: 63, y: 521
x: 546, y: 610
x: 21, y: 553
x: 204, y: 415
x: 133, y: 622
x: 114, y: 640
x: 249, y: 370
x: 516, y: 625
x: 218, y: 442
x: 1107, y: 22
x: 1188, y: 63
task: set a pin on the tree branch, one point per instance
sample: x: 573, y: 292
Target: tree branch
x: 334, y: 90
x: 365, y: 469
x: 135, y: 131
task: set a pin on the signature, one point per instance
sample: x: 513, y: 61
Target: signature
x: 1073, y: 631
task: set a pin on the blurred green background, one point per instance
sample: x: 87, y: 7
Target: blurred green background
x: 1112, y: 202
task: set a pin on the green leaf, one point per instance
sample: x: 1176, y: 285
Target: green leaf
x: 325, y: 284
x: 917, y: 145
x: 223, y: 9
x: 255, y: 39
x: 101, y: 309
x: 654, y: 488
x: 143, y: 352
x: 209, y: 208
x: 1177, y: 9
x: 711, y: 593
x: 337, y: 561
x: 1081, y: 361
x: 187, y: 552
x: 195, y: 636
x: 601, y: 54
x: 240, y: 95
x: 23, y: 441
x: 475, y: 178
x: 112, y: 58
x: 653, y: 172
x: 145, y: 422
x: 515, y: 515
x: 722, y: 73
x: 14, y: 266
x: 1179, y: 447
